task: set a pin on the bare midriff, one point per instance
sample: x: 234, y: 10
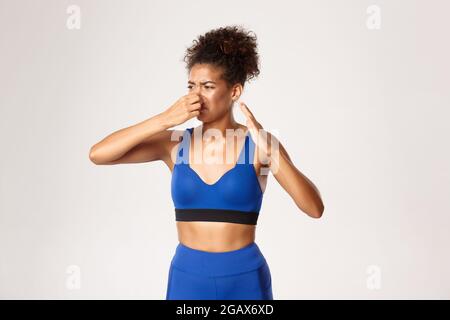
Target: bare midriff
x: 215, y: 236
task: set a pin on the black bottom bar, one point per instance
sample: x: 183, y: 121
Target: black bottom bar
x: 221, y: 215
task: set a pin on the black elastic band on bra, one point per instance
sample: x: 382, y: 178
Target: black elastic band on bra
x: 221, y: 215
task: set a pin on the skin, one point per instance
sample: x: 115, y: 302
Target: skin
x: 210, y: 100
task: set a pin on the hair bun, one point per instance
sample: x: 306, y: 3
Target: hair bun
x: 226, y: 46
x: 233, y: 48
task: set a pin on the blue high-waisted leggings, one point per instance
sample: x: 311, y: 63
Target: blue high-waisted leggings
x: 203, y: 275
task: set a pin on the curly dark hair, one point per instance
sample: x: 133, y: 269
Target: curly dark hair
x: 231, y: 48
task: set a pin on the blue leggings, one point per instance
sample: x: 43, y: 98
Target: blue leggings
x: 202, y: 275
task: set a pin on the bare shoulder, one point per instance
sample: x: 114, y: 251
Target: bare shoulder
x: 169, y: 141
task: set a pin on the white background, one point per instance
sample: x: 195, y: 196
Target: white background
x: 362, y: 112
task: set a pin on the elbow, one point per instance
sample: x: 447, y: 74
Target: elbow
x: 318, y: 212
x: 93, y: 156
x: 315, y: 212
x: 316, y: 215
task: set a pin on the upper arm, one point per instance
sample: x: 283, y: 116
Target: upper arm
x: 153, y: 148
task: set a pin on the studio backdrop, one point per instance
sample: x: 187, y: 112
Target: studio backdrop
x: 357, y: 92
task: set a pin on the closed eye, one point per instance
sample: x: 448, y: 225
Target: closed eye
x: 207, y: 87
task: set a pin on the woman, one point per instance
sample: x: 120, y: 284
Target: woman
x: 216, y: 202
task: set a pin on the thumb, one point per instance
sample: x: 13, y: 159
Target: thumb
x: 244, y: 108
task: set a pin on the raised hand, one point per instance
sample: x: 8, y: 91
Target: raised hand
x: 259, y: 135
x: 185, y: 108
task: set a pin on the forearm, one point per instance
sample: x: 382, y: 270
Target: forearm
x: 300, y: 188
x: 120, y: 142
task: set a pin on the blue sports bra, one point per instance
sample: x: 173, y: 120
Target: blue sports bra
x: 236, y: 197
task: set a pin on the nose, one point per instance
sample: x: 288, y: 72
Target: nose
x: 197, y: 90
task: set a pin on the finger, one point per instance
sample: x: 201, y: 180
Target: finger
x: 246, y: 110
x: 193, y: 98
x: 194, y: 113
x: 194, y: 106
x: 249, y: 111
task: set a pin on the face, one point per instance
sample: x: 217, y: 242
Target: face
x: 206, y: 81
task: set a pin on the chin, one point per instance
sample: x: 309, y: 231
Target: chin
x: 203, y: 120
x: 202, y: 116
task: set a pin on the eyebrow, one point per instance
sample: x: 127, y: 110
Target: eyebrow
x: 204, y: 82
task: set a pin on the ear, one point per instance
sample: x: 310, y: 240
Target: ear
x: 236, y: 92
